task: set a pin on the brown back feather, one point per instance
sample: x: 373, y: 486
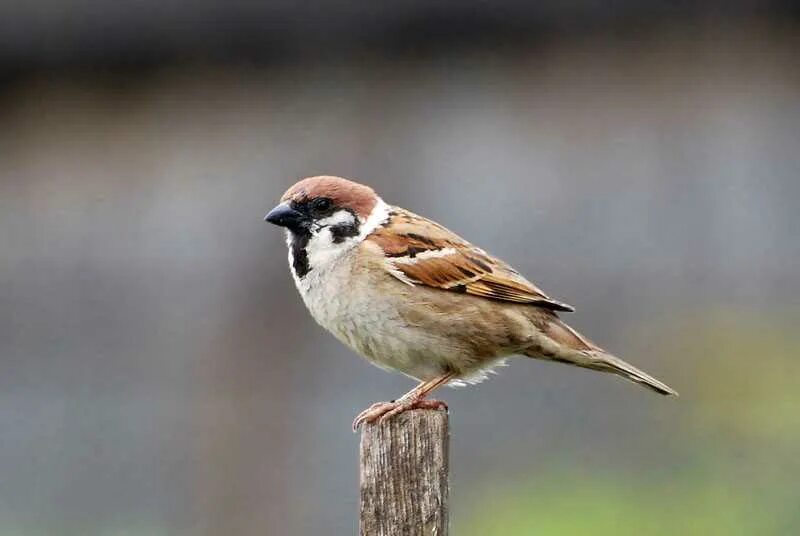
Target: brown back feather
x: 424, y: 252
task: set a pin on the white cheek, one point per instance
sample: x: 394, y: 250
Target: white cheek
x: 321, y: 249
x: 337, y: 218
x: 323, y: 252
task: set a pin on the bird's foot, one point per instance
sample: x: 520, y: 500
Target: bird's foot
x: 381, y: 411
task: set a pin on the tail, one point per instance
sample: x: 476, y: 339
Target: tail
x: 573, y: 348
x: 610, y: 363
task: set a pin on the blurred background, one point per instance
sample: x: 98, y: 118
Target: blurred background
x: 159, y: 374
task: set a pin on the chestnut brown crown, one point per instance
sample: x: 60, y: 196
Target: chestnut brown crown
x: 343, y: 193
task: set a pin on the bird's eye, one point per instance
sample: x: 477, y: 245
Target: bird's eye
x: 321, y: 205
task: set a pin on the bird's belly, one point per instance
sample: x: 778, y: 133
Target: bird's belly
x: 375, y: 332
x: 373, y: 326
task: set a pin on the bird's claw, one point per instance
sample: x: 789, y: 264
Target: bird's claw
x: 382, y: 411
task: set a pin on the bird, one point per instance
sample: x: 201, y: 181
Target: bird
x: 411, y: 296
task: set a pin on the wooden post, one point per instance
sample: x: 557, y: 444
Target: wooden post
x: 404, y: 473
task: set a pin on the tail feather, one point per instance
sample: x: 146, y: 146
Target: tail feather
x: 626, y: 370
x: 573, y: 348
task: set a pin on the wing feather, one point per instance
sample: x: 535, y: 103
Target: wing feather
x: 419, y: 251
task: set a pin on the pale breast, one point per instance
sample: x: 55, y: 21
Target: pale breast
x: 418, y: 331
x: 344, y: 301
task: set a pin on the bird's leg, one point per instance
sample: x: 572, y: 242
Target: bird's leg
x: 414, y: 399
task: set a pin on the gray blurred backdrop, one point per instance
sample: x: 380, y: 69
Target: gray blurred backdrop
x: 159, y: 374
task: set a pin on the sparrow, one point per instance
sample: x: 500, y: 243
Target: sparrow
x: 411, y: 296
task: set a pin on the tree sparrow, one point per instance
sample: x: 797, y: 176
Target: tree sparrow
x: 410, y: 295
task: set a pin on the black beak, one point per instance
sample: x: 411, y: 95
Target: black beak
x: 285, y: 216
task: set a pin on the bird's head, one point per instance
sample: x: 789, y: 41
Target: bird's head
x: 326, y: 215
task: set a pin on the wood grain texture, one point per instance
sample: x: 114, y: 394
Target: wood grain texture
x: 404, y: 475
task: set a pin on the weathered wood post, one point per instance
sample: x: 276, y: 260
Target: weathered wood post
x: 404, y: 475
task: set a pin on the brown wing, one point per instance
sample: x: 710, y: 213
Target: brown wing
x: 419, y: 251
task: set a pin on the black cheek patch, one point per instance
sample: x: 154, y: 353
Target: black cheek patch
x: 339, y: 233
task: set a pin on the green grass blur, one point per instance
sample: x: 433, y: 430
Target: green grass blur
x: 732, y: 469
